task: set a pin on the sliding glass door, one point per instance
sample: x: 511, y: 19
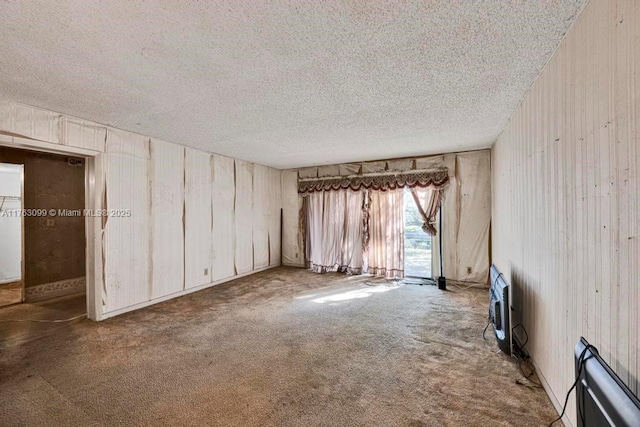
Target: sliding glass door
x: 417, y: 243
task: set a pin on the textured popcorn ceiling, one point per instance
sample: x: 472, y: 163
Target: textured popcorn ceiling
x: 285, y: 84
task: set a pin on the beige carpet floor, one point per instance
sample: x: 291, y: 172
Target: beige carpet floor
x: 284, y: 347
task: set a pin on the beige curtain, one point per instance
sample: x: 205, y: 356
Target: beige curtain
x: 385, y: 254
x: 334, y: 231
x: 428, y: 201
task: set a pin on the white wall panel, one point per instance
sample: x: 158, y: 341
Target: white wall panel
x: 450, y: 211
x: 10, y: 222
x: 261, y: 216
x: 83, y: 134
x: 223, y: 197
x: 198, y: 218
x: 275, y: 206
x: 244, y: 216
x: 48, y: 126
x: 474, y: 176
x: 30, y: 122
x: 167, y: 210
x: 292, y: 250
x: 127, y: 249
x: 566, y: 204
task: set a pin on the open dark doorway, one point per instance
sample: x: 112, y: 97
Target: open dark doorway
x: 54, y: 240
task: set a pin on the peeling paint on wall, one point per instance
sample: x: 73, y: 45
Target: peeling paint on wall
x: 244, y: 217
x: 223, y: 202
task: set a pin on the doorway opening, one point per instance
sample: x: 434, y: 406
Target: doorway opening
x: 11, y: 230
x: 49, y: 241
x: 417, y: 244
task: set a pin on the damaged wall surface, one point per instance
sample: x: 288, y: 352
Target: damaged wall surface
x: 292, y: 242
x: 180, y: 219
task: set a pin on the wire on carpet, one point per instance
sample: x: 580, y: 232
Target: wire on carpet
x: 532, y: 370
x: 44, y: 320
x: 526, y: 384
x: 418, y: 281
x: 521, y: 355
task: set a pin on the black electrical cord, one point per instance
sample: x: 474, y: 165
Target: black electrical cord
x: 581, y: 362
x: 485, y: 330
x: 529, y: 375
x: 45, y: 320
x: 520, y: 355
x: 499, y: 275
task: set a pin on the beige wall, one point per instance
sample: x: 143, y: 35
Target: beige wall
x: 188, y: 219
x: 52, y: 252
x: 467, y: 217
x: 292, y: 242
x: 566, y: 198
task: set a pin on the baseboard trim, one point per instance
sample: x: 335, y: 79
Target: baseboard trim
x: 144, y: 304
x: 557, y: 404
x: 57, y: 289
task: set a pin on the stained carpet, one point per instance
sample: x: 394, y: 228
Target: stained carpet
x: 284, y: 347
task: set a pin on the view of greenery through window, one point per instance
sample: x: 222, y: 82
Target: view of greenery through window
x: 417, y: 243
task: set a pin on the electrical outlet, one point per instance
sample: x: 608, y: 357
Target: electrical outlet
x: 468, y: 270
x: 206, y: 271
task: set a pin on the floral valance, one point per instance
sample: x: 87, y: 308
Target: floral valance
x: 437, y: 178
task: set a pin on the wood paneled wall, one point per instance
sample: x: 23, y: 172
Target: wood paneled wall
x: 566, y: 199
x: 195, y: 218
